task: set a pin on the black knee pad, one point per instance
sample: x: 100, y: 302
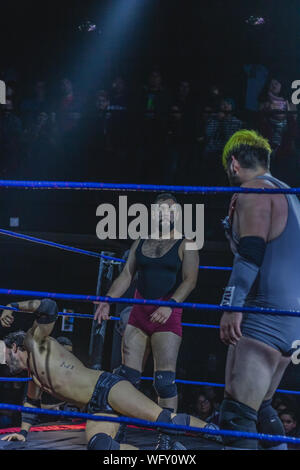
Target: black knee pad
x: 269, y: 423
x: 47, y: 311
x: 102, y: 441
x: 235, y: 416
x: 164, y: 384
x: 132, y: 375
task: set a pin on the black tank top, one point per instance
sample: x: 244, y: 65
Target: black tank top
x: 158, y: 277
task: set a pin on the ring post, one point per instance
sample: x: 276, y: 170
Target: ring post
x: 98, y: 331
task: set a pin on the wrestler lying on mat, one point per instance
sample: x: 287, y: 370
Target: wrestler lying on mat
x: 58, y: 372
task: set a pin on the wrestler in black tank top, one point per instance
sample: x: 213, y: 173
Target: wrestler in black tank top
x: 158, y: 277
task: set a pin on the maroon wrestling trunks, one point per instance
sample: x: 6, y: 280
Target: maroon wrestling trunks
x: 140, y: 318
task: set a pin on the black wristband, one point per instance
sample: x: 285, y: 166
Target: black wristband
x: 23, y: 433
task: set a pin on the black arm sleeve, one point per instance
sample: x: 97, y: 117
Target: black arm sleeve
x: 247, y: 262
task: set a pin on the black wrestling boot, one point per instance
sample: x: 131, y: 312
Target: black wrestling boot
x: 212, y: 437
x: 165, y: 443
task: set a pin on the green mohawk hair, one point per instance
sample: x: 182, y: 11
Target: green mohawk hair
x: 244, y: 137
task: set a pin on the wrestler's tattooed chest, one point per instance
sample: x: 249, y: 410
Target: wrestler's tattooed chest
x: 66, y: 365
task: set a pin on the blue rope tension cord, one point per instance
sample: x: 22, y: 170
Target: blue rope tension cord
x: 72, y: 249
x: 141, y: 187
x: 163, y: 303
x: 150, y: 424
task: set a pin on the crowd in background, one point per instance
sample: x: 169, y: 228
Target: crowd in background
x: 148, y: 134
x: 151, y: 133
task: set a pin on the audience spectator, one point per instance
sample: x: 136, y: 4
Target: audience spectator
x: 178, y: 139
x: 276, y: 122
x: 203, y: 408
x: 93, y: 140
x: 41, y: 145
x: 219, y: 128
x: 36, y: 104
x: 119, y: 131
x: 68, y: 106
x: 291, y: 426
x: 153, y: 110
x: 212, y: 100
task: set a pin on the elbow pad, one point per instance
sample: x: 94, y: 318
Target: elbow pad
x: 47, y: 312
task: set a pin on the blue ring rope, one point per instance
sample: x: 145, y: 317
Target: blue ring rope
x: 41, y: 241
x: 179, y: 381
x: 141, y: 187
x: 162, y: 303
x: 151, y: 424
x: 190, y: 382
x: 86, y: 315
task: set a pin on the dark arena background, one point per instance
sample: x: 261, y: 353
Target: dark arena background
x: 135, y: 91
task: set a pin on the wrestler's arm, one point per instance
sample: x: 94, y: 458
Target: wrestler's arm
x: 190, y: 270
x: 123, y: 281
x: 32, y: 400
x: 254, y: 222
x: 46, y: 313
x: 119, y: 286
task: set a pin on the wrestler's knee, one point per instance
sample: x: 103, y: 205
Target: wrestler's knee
x: 236, y: 416
x: 164, y: 384
x: 269, y: 423
x: 96, y: 427
x: 102, y: 441
x: 132, y: 375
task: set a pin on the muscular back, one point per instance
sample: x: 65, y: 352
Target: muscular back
x: 58, y: 371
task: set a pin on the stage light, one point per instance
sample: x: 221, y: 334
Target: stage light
x: 88, y: 27
x: 255, y: 21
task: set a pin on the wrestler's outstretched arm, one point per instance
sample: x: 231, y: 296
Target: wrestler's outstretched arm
x: 32, y: 400
x: 45, y: 312
x: 120, y: 284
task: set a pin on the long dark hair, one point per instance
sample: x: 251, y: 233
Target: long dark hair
x: 263, y: 96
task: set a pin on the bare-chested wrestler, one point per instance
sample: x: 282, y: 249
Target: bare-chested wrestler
x: 58, y: 372
x: 264, y: 234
